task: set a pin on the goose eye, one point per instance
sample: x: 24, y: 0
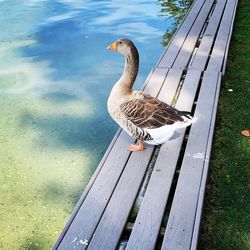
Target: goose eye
x: 120, y: 42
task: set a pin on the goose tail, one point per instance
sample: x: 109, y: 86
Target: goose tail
x: 188, y: 119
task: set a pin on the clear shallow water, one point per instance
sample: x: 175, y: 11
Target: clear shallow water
x: 55, y: 77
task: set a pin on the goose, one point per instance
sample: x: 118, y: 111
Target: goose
x: 142, y: 116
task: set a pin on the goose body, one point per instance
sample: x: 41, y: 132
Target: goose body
x: 142, y: 116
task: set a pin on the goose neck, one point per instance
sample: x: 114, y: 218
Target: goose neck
x: 130, y: 71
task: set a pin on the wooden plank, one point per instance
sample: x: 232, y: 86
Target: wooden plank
x: 170, y: 85
x: 172, y: 50
x: 181, y: 219
x: 202, y: 55
x: 156, y: 81
x: 90, y: 212
x: 190, y: 42
x: 111, y: 226
x: 93, y: 178
x: 147, y: 225
x: 229, y: 39
x: 202, y: 190
x: 220, y: 45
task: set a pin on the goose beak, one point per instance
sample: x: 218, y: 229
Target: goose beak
x: 112, y: 46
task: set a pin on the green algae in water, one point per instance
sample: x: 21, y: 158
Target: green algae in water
x: 41, y: 184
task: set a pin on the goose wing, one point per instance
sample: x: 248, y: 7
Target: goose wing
x: 149, y: 112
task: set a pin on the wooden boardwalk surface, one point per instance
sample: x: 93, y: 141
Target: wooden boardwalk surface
x: 187, y: 75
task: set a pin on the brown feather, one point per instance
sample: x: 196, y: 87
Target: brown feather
x: 149, y: 112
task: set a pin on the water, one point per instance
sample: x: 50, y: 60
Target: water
x: 55, y: 77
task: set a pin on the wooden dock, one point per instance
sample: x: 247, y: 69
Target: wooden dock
x: 188, y: 75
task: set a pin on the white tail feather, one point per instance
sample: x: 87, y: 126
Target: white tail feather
x: 164, y: 133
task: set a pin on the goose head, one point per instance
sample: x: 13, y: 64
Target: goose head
x: 127, y: 48
x: 123, y: 46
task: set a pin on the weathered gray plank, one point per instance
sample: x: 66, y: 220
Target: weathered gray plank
x: 148, y: 221
x: 180, y: 224
x: 90, y: 212
x: 170, y: 85
x: 229, y: 39
x: 202, y: 54
x: 113, y: 220
x: 175, y: 44
x: 190, y: 42
x: 156, y: 81
x: 202, y: 190
x: 221, y: 42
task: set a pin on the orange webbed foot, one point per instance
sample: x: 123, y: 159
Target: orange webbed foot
x: 136, y: 147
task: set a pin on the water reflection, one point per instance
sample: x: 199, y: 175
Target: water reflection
x: 175, y: 10
x: 55, y: 76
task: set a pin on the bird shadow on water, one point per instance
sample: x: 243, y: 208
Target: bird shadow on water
x: 56, y: 192
x: 59, y: 97
x: 32, y: 243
